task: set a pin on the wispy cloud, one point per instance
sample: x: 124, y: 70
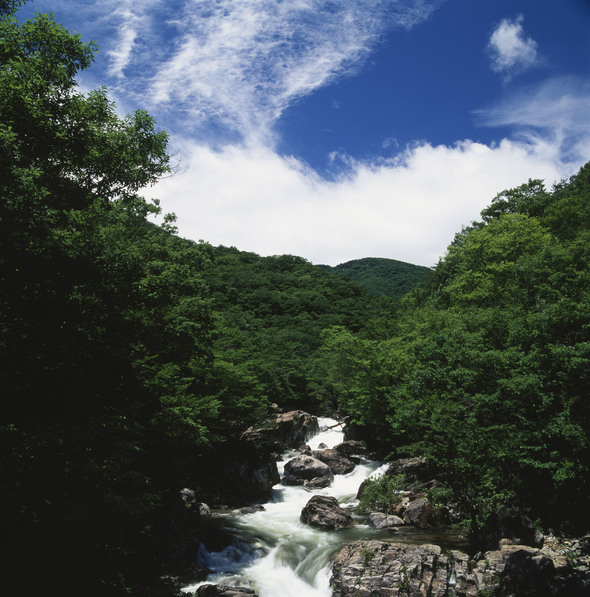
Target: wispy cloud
x: 510, y: 50
x: 239, y: 63
x: 557, y: 111
x: 132, y: 22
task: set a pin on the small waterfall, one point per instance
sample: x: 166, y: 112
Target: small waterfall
x: 273, y: 552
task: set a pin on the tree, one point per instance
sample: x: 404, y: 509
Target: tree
x: 104, y: 327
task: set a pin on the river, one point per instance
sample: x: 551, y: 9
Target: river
x: 275, y: 554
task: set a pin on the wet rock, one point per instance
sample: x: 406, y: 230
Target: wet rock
x: 325, y: 512
x: 252, y: 509
x: 284, y: 431
x: 352, y: 449
x: 223, y: 591
x: 307, y: 471
x: 339, y: 464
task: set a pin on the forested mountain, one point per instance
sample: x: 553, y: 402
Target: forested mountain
x: 382, y: 277
x: 131, y: 357
x: 269, y: 314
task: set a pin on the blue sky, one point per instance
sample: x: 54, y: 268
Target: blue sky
x: 337, y: 130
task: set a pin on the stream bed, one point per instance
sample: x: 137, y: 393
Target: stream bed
x: 274, y: 554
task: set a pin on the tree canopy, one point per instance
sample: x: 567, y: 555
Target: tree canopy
x: 105, y: 333
x: 487, y: 371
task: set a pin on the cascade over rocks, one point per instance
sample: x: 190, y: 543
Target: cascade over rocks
x: 307, y: 471
x: 325, y: 512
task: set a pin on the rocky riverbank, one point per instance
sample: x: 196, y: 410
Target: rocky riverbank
x: 370, y: 568
x: 516, y: 560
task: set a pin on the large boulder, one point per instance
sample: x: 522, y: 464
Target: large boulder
x: 339, y: 464
x: 284, y: 431
x: 352, y: 449
x: 250, y: 477
x: 325, y: 512
x: 416, y: 470
x: 307, y: 471
x: 419, y: 513
x: 513, y: 524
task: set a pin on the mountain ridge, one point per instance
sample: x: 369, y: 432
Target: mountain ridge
x: 382, y: 276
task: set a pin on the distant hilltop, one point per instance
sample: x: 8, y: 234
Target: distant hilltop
x: 381, y: 276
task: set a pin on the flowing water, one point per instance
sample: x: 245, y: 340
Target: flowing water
x: 275, y: 554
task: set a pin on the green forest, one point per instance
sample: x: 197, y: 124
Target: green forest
x: 132, y: 357
x: 379, y: 276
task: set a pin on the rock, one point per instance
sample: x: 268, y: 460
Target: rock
x: 526, y: 572
x: 324, y: 511
x: 418, y: 513
x: 510, y: 523
x: 307, y: 471
x: 252, y: 477
x: 188, y: 496
x: 367, y: 568
x: 416, y: 470
x: 378, y: 520
x: 252, y: 509
x: 339, y: 464
x: 285, y: 431
x: 370, y: 568
x: 318, y: 483
x: 352, y: 449
x: 223, y: 591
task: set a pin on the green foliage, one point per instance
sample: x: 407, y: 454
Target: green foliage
x: 269, y: 314
x: 383, y: 277
x: 485, y: 372
x: 105, y: 332
x: 381, y: 494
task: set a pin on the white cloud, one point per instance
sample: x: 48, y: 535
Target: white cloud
x: 407, y: 208
x: 511, y: 52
